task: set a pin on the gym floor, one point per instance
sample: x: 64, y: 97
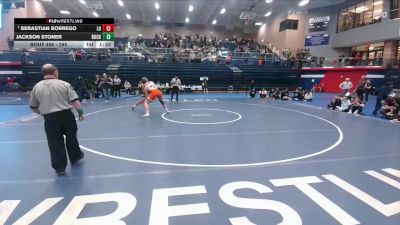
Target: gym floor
x: 215, y: 159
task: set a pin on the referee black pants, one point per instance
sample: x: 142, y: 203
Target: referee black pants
x: 56, y: 126
x: 175, y: 90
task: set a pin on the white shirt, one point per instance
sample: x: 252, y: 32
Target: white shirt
x: 346, y: 85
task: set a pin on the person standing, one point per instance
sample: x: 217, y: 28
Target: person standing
x: 106, y: 84
x: 175, y: 85
x: 204, y: 83
x: 367, y: 89
x: 346, y: 85
x: 117, y: 86
x: 54, y: 99
x: 360, y: 88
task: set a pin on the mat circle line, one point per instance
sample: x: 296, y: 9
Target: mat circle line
x: 340, y: 139
x: 14, y: 99
x: 198, y: 123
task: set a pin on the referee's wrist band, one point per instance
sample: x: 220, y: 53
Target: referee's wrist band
x: 80, y: 112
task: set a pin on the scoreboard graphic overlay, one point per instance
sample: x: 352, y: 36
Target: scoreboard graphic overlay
x: 64, y: 32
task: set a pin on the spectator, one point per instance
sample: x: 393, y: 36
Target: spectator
x: 71, y: 55
x: 308, y: 96
x: 3, y: 83
x: 116, y: 86
x: 346, y: 86
x: 345, y: 103
x: 99, y: 90
x: 10, y: 43
x: 335, y: 103
x: 80, y: 88
x: 356, y: 106
x: 228, y: 59
x: 285, y: 95
x: 389, y: 109
x: 108, y: 55
x: 263, y: 93
x: 298, y: 95
x: 367, y: 89
x: 381, y: 95
x: 140, y: 88
x: 252, y: 89
x: 127, y: 87
x: 360, y: 87
x: 106, y: 83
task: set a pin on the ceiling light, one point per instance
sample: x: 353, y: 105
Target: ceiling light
x: 157, y: 5
x: 95, y: 14
x: 65, y: 12
x: 120, y: 3
x: 82, y: 2
x: 140, y: 35
x: 47, y: 0
x: 190, y: 8
x: 214, y: 22
x: 304, y: 2
x: 378, y: 3
x: 128, y: 16
x: 158, y: 18
x: 268, y: 1
x: 361, y: 9
x: 268, y: 14
x: 258, y: 24
x: 187, y: 20
x: 223, y: 10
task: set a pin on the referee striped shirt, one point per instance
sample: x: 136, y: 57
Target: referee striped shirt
x: 52, y: 95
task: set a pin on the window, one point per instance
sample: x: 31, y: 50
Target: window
x: 395, y: 9
x: 369, y: 11
x: 288, y: 25
x: 360, y: 14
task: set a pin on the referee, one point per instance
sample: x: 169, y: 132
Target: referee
x: 176, y: 84
x: 54, y: 99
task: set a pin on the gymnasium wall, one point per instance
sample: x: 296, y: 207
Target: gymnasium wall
x: 32, y: 9
x: 127, y: 29
x: 293, y: 39
x: 343, y: 41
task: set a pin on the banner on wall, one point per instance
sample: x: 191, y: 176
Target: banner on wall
x: 317, y: 39
x: 13, y: 4
x: 318, y: 24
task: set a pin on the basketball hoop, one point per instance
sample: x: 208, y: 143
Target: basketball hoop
x: 247, y: 17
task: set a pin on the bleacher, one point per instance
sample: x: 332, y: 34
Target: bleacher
x: 220, y: 75
x: 68, y: 70
x: 270, y: 76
